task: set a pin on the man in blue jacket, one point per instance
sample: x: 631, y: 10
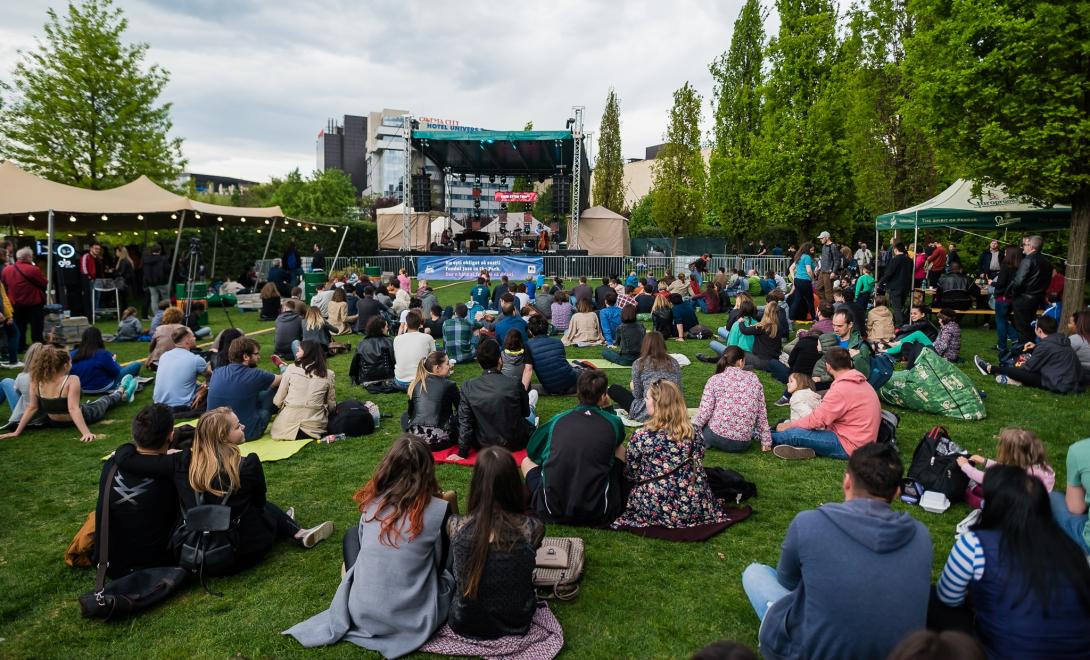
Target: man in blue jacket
x: 853, y: 578
x: 551, y: 365
x: 610, y: 318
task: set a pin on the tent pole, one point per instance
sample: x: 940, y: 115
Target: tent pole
x: 333, y: 266
x: 174, y: 257
x: 877, y: 249
x: 268, y: 240
x: 215, y: 244
x: 49, y: 261
x: 916, y: 235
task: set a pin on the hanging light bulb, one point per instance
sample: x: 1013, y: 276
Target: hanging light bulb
x: 298, y: 224
x: 104, y: 218
x: 282, y: 230
x: 219, y: 218
x: 242, y: 219
x: 333, y: 229
x: 266, y: 222
x: 30, y: 217
x: 71, y: 218
x: 20, y: 232
x: 221, y: 229
x: 197, y: 215
x: 259, y: 231
x: 173, y: 216
x: 156, y: 233
x: 139, y: 217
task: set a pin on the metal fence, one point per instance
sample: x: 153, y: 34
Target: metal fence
x: 568, y: 266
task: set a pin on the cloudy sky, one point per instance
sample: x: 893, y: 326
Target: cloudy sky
x: 253, y: 82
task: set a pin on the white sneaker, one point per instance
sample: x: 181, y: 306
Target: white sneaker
x: 533, y: 398
x: 290, y: 512
x: 1005, y: 380
x: 312, y: 536
x: 12, y: 365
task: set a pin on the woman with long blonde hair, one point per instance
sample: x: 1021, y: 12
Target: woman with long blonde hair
x: 17, y: 390
x: 396, y: 590
x: 213, y: 471
x: 665, y: 463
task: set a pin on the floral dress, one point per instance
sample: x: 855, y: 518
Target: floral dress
x: 682, y: 499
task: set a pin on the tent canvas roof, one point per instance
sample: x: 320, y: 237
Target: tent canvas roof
x: 601, y: 212
x: 993, y: 208
x: 23, y: 194
x: 515, y: 153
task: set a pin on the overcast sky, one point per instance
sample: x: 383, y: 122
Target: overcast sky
x: 253, y: 82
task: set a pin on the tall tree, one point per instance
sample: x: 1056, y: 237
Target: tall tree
x: 609, y: 168
x: 1004, y: 90
x: 799, y: 176
x: 325, y: 195
x: 83, y: 109
x: 892, y: 163
x: 679, y: 174
x: 736, y: 103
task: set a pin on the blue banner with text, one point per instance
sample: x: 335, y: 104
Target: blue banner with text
x: 470, y: 267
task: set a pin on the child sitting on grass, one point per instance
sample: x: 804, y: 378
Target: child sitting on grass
x: 129, y: 328
x: 1016, y: 446
x: 804, y: 398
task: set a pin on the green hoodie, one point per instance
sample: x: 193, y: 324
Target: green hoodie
x: 861, y: 362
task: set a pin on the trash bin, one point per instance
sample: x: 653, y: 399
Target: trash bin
x: 373, y: 271
x: 311, y: 282
x: 200, y: 290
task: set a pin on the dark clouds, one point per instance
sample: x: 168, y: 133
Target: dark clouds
x: 253, y: 82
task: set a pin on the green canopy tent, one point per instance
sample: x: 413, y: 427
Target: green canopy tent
x: 959, y: 208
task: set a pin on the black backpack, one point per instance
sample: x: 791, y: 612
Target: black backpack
x: 730, y: 486
x: 207, y: 539
x: 887, y: 428
x: 935, y: 467
x: 351, y: 418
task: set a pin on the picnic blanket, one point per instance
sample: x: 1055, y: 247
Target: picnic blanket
x: 602, y: 363
x: 696, y: 533
x: 265, y: 447
x: 631, y: 423
x: 542, y: 642
x: 440, y: 456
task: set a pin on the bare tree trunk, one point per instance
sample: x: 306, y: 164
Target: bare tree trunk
x: 673, y: 244
x: 1075, y: 273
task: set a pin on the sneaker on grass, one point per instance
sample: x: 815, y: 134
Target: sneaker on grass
x: 128, y: 383
x: 783, y: 401
x: 312, y: 536
x: 1007, y: 380
x: 982, y: 365
x: 790, y: 453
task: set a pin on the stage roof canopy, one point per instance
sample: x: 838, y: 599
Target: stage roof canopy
x: 515, y: 153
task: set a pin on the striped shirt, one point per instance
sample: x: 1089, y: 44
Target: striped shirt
x: 965, y: 564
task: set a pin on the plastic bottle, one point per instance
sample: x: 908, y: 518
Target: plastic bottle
x: 331, y: 438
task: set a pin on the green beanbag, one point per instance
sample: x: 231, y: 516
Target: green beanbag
x: 934, y: 385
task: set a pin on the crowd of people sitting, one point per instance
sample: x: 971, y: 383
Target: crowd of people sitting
x: 829, y: 331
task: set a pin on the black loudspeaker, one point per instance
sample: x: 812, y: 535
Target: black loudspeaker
x: 421, y: 192
x: 561, y: 195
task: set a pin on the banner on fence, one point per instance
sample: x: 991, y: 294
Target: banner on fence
x: 469, y: 267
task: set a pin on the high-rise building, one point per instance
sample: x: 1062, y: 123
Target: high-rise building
x: 344, y: 147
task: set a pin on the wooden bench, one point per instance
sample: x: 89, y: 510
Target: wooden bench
x: 967, y: 312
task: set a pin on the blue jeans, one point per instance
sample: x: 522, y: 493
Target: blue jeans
x: 11, y: 330
x: 701, y: 304
x: 718, y: 347
x: 265, y: 409
x: 127, y: 370
x: 402, y: 385
x: 1073, y: 524
x: 779, y: 370
x: 824, y: 443
x: 1004, y: 329
x: 10, y: 395
x: 762, y: 587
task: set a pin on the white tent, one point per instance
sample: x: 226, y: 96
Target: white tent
x: 391, y: 228
x: 603, y: 233
x: 439, y: 224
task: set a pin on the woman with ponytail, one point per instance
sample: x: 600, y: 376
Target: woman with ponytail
x: 395, y: 592
x: 433, y: 400
x: 493, y: 549
x: 213, y: 471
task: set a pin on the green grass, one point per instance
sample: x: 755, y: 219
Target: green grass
x: 640, y: 597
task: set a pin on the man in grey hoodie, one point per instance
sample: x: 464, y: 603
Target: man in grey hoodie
x: 853, y: 577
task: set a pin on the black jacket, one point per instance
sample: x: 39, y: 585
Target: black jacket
x: 317, y: 261
x: 1032, y: 278
x: 156, y: 269
x: 374, y: 360
x: 600, y: 295
x: 925, y: 326
x: 270, y: 308
x: 1002, y: 283
x: 897, y: 278
x: 1057, y: 363
x: 435, y: 405
x: 365, y: 309
x: 493, y: 411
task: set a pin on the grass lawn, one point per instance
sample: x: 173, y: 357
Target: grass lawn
x: 640, y: 597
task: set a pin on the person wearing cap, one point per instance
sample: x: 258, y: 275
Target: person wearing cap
x: 830, y: 254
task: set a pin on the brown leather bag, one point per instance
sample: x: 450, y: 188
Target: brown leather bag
x: 78, y: 554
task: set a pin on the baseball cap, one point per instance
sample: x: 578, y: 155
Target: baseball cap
x: 824, y: 234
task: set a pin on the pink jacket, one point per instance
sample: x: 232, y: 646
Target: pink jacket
x: 1042, y: 472
x: 850, y: 409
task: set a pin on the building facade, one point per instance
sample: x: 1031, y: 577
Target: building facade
x: 343, y: 147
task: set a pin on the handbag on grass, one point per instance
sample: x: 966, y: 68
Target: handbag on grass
x: 133, y: 593
x: 558, y: 567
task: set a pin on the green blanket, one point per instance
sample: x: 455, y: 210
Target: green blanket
x: 934, y: 385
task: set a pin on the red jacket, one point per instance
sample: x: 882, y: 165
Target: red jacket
x: 25, y: 283
x: 88, y: 265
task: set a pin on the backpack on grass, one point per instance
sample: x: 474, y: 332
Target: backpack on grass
x: 887, y: 428
x: 558, y: 567
x: 207, y: 539
x: 934, y: 465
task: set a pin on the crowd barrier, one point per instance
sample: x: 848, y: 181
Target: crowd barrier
x: 569, y: 266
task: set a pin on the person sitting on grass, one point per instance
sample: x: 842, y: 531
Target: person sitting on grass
x: 244, y: 388
x: 494, y: 409
x: 684, y: 317
x: 917, y: 322
x: 1015, y: 446
x: 157, y: 319
x: 584, y: 328
x: 143, y: 512
x: 433, y: 403
x: 732, y: 332
x: 221, y: 347
x: 610, y: 318
x: 847, y: 419
x: 96, y: 367
x: 768, y: 335
x: 338, y: 312
x: 399, y: 296
x: 161, y: 340
x: 518, y: 362
x: 433, y: 324
x: 1051, y: 365
x: 374, y: 359
x: 289, y: 328
x: 128, y: 328
x: 459, y: 340
x: 668, y: 445
x: 560, y: 312
x: 1070, y: 507
x: 880, y: 326
x: 824, y: 600
x: 270, y: 302
x: 1018, y: 579
x: 732, y: 411
x: 653, y: 364
x: 55, y: 393
x: 575, y: 461
x: 493, y: 549
x: 628, y: 339
x: 305, y: 395
x: 662, y: 316
x: 192, y: 320
x: 947, y: 343
x: 555, y: 374
x: 804, y: 398
x: 510, y: 319
x: 176, y: 378
x: 319, y: 331
x: 17, y: 391
x: 480, y: 293
x: 396, y: 591
x: 409, y: 349
x: 368, y: 307
x: 213, y: 470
